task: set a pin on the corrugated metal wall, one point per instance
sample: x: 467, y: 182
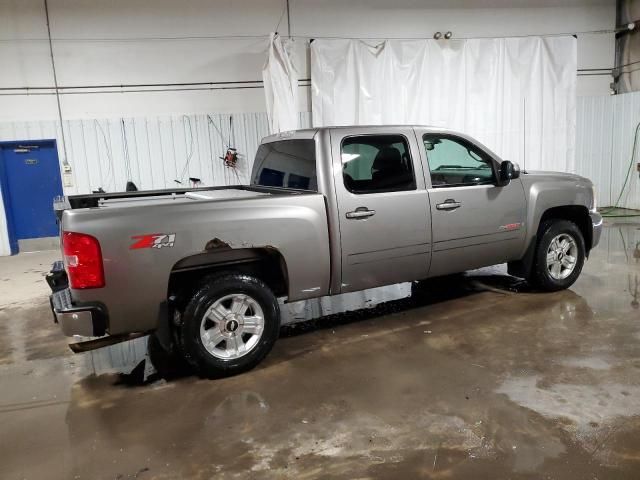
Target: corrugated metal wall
x: 153, y: 152
x: 604, y: 144
x: 156, y: 151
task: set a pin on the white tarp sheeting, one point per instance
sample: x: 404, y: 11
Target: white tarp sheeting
x: 281, y: 85
x: 515, y: 95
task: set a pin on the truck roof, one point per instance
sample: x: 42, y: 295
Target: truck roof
x: 308, y: 133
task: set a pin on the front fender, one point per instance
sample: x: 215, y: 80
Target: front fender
x: 545, y: 192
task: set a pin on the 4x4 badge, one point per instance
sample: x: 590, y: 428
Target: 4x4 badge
x: 153, y: 240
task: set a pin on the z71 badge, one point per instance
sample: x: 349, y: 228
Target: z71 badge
x: 153, y: 240
x: 510, y: 226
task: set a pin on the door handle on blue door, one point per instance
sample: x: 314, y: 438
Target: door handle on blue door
x: 449, y: 204
x: 360, y: 212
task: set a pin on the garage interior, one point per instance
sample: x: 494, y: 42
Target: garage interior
x: 481, y: 375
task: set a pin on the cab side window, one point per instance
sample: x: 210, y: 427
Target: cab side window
x: 456, y: 162
x: 377, y: 163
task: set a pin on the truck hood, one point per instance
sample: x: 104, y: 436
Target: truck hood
x: 533, y: 175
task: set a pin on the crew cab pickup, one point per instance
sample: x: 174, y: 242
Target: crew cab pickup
x: 327, y: 211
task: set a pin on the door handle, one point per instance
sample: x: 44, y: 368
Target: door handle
x: 449, y: 204
x: 360, y: 212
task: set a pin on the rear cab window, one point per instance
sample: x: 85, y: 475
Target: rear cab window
x: 376, y: 164
x: 286, y: 164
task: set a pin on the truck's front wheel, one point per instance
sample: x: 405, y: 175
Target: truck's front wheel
x: 559, y: 255
x: 229, y: 325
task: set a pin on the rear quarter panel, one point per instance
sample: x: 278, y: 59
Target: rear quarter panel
x: 137, y: 279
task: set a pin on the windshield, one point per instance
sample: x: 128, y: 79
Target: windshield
x: 286, y: 163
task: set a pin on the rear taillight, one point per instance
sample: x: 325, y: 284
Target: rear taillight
x: 83, y: 259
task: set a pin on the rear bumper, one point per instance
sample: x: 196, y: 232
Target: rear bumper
x: 86, y: 320
x: 596, y: 223
x: 83, y: 319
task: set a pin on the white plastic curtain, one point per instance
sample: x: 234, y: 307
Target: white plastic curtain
x: 515, y: 95
x: 281, y: 85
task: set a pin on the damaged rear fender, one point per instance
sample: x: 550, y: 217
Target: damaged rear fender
x: 266, y: 263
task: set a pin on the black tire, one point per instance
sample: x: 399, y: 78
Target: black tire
x: 540, y: 276
x: 212, y: 289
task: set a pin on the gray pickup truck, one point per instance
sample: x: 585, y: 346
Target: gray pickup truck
x: 328, y: 211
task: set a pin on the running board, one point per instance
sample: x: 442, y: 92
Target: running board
x: 104, y: 341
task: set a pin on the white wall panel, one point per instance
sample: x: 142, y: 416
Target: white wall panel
x: 626, y: 118
x: 604, y: 142
x: 594, y: 125
x: 152, y: 152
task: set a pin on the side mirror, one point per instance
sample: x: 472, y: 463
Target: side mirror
x: 508, y: 171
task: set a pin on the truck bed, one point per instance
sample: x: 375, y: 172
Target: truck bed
x: 155, y: 197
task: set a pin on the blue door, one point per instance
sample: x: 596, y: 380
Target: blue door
x: 30, y: 175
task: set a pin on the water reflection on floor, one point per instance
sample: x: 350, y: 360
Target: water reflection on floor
x: 479, y: 378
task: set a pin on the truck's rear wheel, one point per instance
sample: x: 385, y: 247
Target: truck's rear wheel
x: 229, y: 325
x: 559, y: 255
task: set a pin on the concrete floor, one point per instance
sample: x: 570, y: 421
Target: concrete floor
x: 482, y: 378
